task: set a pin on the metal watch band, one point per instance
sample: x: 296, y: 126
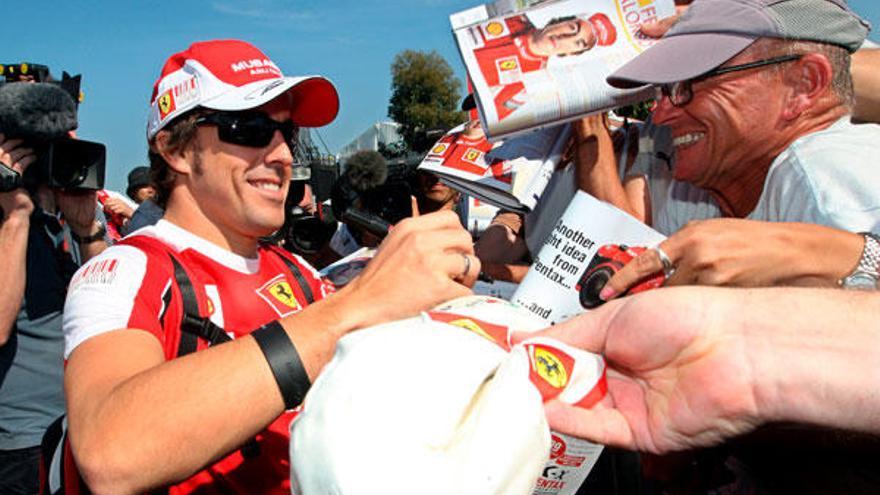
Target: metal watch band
x: 869, y: 263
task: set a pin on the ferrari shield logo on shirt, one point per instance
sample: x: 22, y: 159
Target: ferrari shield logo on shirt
x: 279, y: 294
x: 474, y: 157
x: 509, y: 71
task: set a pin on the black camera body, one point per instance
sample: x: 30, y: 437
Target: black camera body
x: 42, y: 114
x: 68, y: 163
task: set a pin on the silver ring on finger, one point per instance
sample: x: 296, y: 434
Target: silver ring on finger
x: 467, y: 266
x: 668, y: 267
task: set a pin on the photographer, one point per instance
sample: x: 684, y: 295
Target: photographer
x: 37, y: 264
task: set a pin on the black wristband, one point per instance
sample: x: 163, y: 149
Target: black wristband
x: 97, y: 236
x: 285, y: 363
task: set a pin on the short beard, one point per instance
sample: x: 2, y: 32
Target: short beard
x: 198, y: 168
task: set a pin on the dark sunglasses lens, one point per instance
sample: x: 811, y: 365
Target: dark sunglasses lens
x: 247, y: 131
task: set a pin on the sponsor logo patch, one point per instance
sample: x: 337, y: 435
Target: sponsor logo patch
x: 279, y: 294
x: 99, y: 273
x: 495, y: 29
x: 474, y: 157
x: 166, y: 104
x: 439, y: 148
x: 260, y: 92
x: 548, y: 366
x: 489, y: 331
x: 185, y: 92
x: 256, y: 66
x: 508, y: 64
x: 509, y: 71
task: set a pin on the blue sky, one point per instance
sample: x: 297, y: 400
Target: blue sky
x: 119, y: 48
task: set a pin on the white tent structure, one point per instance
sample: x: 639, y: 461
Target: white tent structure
x: 380, y: 132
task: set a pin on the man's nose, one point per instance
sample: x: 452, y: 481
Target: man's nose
x: 279, y: 150
x: 663, y: 110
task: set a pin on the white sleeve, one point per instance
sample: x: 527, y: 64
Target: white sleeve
x: 102, y: 294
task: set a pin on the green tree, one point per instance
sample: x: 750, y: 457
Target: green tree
x: 424, y: 96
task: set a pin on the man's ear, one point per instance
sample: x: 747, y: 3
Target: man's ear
x: 177, y: 158
x: 809, y: 79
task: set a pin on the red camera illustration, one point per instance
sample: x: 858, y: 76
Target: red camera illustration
x: 610, y: 259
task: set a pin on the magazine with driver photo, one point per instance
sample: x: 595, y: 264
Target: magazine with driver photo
x: 546, y: 63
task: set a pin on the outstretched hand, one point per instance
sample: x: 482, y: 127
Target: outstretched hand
x: 746, y: 253
x: 678, y: 377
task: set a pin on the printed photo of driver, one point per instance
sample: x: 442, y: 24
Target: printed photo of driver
x: 515, y: 46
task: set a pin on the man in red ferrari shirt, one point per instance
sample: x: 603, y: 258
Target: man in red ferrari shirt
x: 222, y: 123
x: 513, y: 46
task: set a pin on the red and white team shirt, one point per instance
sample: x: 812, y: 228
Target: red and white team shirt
x: 504, y: 58
x: 471, y: 156
x: 129, y: 287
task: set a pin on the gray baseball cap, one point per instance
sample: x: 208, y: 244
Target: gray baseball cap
x: 713, y: 31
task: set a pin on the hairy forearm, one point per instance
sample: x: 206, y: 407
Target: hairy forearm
x: 815, y: 255
x: 814, y: 354
x: 13, y: 245
x: 866, y: 81
x: 128, y: 427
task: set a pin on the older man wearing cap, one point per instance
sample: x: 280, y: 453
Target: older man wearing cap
x: 758, y: 96
x: 141, y: 414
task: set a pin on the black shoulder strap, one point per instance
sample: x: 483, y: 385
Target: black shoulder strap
x: 297, y: 274
x: 193, y: 326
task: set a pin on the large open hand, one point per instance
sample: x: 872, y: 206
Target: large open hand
x: 678, y: 377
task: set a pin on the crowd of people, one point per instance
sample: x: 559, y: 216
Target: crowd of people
x: 151, y: 345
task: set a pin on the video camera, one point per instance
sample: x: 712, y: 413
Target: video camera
x: 372, y: 195
x: 303, y: 233
x: 42, y: 112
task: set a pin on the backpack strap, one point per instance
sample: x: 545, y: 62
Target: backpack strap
x: 192, y: 325
x: 296, y: 272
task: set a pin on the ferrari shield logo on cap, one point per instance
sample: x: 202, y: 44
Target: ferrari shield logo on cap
x: 166, y: 104
x: 549, y: 367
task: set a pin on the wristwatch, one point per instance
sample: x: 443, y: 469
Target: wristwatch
x: 867, y: 273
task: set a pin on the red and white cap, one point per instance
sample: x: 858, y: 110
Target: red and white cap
x: 234, y: 75
x: 604, y: 29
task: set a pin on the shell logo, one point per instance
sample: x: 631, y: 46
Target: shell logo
x: 494, y: 28
x: 508, y: 64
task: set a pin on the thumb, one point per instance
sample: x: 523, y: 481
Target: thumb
x: 415, y: 206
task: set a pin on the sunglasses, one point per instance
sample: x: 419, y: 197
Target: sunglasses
x: 252, y: 129
x: 681, y: 93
